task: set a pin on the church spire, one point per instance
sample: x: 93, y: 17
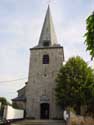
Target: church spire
x: 48, y: 35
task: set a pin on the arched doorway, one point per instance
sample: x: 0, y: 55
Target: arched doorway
x: 44, y: 110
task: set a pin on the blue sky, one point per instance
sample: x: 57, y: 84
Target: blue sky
x: 20, y: 26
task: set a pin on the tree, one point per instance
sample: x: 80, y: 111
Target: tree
x: 3, y: 103
x: 89, y: 35
x: 3, y: 100
x: 75, y: 83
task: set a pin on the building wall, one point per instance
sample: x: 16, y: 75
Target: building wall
x: 19, y: 104
x: 21, y: 92
x: 41, y: 81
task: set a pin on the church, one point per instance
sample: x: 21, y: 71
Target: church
x: 37, y: 97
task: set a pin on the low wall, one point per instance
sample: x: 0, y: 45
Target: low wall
x: 11, y: 113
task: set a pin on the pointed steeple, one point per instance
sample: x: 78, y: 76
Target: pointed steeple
x: 48, y: 35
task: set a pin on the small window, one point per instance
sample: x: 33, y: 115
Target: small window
x: 46, y: 43
x: 45, y: 59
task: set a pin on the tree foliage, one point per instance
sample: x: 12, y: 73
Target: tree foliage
x: 3, y: 103
x: 75, y: 83
x: 89, y: 35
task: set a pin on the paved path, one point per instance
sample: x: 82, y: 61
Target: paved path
x: 39, y: 122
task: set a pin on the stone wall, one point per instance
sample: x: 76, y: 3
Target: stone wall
x: 41, y: 81
x: 19, y: 104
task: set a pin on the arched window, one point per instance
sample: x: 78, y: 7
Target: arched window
x: 45, y: 59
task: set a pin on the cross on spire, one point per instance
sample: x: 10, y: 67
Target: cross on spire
x: 49, y: 1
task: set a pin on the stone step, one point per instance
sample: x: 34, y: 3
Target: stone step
x: 39, y: 122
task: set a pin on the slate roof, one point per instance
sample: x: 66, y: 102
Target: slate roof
x: 48, y: 31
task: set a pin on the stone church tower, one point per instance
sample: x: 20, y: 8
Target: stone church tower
x: 45, y: 61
